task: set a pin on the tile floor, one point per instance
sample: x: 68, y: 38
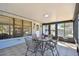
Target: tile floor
x: 65, y: 49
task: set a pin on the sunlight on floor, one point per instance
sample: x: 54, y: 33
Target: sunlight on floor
x: 68, y: 45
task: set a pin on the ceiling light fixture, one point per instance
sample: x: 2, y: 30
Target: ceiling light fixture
x: 46, y: 15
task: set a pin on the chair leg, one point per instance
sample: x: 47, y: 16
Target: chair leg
x: 52, y: 51
x: 26, y: 53
x: 57, y: 51
x: 36, y: 49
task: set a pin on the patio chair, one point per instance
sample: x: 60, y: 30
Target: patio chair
x: 32, y: 45
x: 53, y: 46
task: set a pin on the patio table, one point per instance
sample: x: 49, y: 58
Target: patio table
x: 43, y: 44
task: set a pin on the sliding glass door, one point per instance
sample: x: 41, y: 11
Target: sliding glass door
x: 69, y: 30
x: 60, y: 30
x: 45, y: 29
x: 52, y: 29
x: 27, y: 28
x: 6, y: 27
x: 65, y: 30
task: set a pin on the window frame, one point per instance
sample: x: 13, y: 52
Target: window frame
x: 12, y: 25
x: 56, y: 25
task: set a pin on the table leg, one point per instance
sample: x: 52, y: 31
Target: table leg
x: 42, y: 52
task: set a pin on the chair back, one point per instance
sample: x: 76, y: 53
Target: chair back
x: 34, y: 37
x: 29, y: 42
x: 50, y: 37
x: 57, y: 39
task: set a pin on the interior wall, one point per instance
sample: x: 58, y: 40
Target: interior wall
x: 34, y: 27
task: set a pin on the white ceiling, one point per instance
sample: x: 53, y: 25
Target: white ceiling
x: 56, y: 11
